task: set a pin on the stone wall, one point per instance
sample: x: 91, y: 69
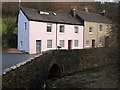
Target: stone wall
x: 71, y: 61
x: 34, y: 73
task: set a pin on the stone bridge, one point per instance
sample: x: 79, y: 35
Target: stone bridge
x: 57, y: 63
x: 63, y: 62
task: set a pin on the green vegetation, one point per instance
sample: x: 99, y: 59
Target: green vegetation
x: 10, y: 12
x: 9, y: 32
x: 9, y: 25
x: 12, y: 8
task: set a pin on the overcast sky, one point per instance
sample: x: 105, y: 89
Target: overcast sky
x: 108, y: 0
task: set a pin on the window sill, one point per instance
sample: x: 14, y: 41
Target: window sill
x: 87, y: 46
x: 91, y: 33
x: 101, y: 31
x: 49, y: 32
x: 61, y: 33
x: 76, y: 47
x: 49, y: 48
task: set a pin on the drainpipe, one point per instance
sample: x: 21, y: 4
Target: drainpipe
x: 83, y: 34
x: 97, y: 34
x: 56, y: 35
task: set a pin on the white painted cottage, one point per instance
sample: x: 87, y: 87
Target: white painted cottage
x: 40, y: 31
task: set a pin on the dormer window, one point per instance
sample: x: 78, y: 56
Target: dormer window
x: 49, y: 27
x: 44, y: 13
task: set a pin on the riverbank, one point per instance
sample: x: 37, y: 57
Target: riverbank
x: 100, y: 77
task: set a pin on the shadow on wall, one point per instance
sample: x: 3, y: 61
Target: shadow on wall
x: 54, y: 71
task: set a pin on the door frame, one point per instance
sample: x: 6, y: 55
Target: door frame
x: 93, y: 43
x: 39, y: 47
x: 69, y: 44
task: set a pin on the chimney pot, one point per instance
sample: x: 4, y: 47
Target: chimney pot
x: 73, y: 10
x: 103, y: 12
x: 86, y: 9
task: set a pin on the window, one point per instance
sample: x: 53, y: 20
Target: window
x: 49, y: 27
x: 49, y: 43
x: 62, y: 28
x: 76, y: 29
x: 101, y: 28
x: 76, y: 43
x: 25, y: 26
x: 21, y: 43
x: 61, y: 43
x: 87, y: 43
x: 90, y: 30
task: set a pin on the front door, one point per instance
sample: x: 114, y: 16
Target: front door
x: 93, y: 43
x: 69, y: 44
x: 38, y: 46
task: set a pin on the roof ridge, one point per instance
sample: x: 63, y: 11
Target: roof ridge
x: 94, y: 17
x: 58, y: 17
x: 90, y: 13
x: 38, y: 9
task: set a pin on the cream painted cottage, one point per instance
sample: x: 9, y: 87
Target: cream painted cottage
x: 96, y: 28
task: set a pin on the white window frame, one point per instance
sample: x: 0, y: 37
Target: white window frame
x: 76, y: 43
x: 87, y: 43
x: 61, y: 43
x: 101, y: 28
x: 76, y: 30
x: 90, y: 32
x: 25, y: 26
x: 63, y: 29
x: 49, y: 25
x: 49, y: 45
x: 21, y: 43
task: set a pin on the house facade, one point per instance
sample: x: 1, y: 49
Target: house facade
x: 40, y: 31
x: 96, y: 28
x: 95, y: 34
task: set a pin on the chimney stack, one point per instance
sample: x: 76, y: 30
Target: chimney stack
x: 103, y: 12
x: 73, y: 10
x: 86, y: 9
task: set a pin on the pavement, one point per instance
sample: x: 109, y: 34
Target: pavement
x: 12, y: 56
x: 13, y: 50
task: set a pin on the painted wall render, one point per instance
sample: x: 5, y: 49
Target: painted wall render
x: 96, y: 34
x: 38, y: 31
x: 23, y: 35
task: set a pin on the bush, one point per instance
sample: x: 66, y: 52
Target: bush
x: 9, y: 32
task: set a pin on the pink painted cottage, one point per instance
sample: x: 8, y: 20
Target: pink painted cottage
x: 39, y: 31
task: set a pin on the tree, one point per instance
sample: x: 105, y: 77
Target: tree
x: 9, y: 32
x: 109, y: 39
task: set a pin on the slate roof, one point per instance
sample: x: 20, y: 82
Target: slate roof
x: 65, y: 18
x: 92, y: 17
